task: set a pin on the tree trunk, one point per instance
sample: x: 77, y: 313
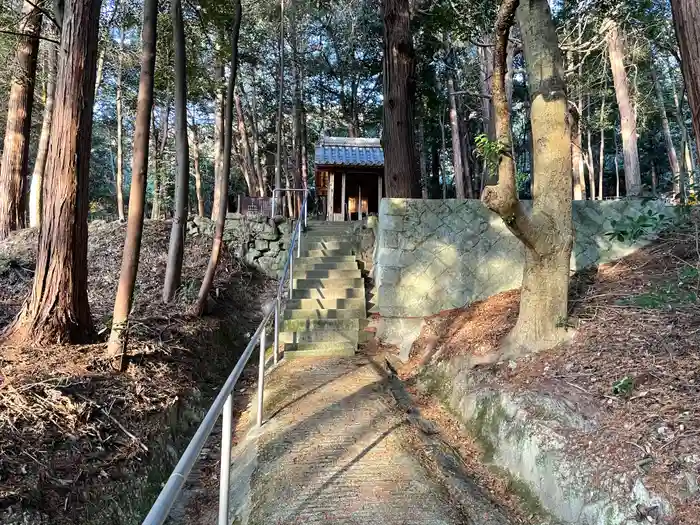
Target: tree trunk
x: 628, y: 119
x: 601, y: 164
x: 464, y: 147
x: 423, y: 159
x: 119, y: 336
x: 15, y: 154
x: 218, y: 138
x: 547, y: 232
x: 617, y: 167
x: 228, y: 136
x: 435, y: 163
x: 486, y: 77
x: 120, y: 132
x: 197, y: 172
x: 173, y: 270
x: 668, y: 140
x: 35, y: 195
x: 57, y: 309
x: 456, y: 143
x: 653, y: 179
x: 684, y: 166
x: 157, y: 164
x: 579, y: 177
x: 443, y: 144
x: 280, y: 109
x: 401, y: 175
x: 589, y: 155
x: 245, y: 148
x: 262, y: 171
x: 686, y: 17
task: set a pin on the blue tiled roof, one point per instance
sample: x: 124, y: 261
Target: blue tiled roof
x: 345, y: 151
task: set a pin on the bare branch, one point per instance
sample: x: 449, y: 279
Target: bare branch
x: 25, y: 35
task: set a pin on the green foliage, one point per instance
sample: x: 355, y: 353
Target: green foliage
x: 623, y: 387
x: 631, y: 229
x: 683, y: 290
x: 489, y: 150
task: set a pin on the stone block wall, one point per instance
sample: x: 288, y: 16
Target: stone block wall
x: 261, y: 242
x: 433, y: 255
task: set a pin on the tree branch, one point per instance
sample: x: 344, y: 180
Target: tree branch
x: 503, y: 197
x: 45, y: 12
x: 26, y: 35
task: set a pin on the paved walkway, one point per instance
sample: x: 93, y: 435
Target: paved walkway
x: 335, y: 449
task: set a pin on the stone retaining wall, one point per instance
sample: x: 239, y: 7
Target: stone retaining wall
x: 261, y: 242
x: 435, y: 255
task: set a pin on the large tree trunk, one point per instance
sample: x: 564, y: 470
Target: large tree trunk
x: 120, y: 131
x: 118, y: 339
x: 218, y: 138
x: 15, y: 154
x: 401, y: 175
x: 686, y: 17
x: 197, y: 171
x: 628, y: 119
x: 57, y: 309
x: 35, y: 194
x: 173, y: 270
x: 547, y: 232
x: 668, y: 140
x: 456, y: 143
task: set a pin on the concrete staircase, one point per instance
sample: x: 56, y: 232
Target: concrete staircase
x: 326, y: 314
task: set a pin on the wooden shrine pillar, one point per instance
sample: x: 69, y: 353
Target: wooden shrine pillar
x: 342, y: 198
x: 331, y: 190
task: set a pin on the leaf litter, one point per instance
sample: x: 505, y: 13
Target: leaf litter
x: 71, y: 431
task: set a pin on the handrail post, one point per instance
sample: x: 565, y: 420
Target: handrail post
x: 277, y: 329
x: 261, y: 377
x: 299, y: 238
x: 274, y: 202
x: 291, y: 270
x: 225, y: 475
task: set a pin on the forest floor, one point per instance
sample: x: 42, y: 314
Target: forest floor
x: 72, y: 432
x: 635, y: 358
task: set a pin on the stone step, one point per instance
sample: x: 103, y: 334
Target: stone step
x: 347, y: 313
x: 325, y: 253
x: 329, y: 293
x: 309, y: 273
x: 310, y: 261
x: 328, y: 284
x: 347, y: 265
x: 312, y: 244
x: 293, y: 351
x: 325, y: 304
x: 321, y: 336
x: 303, y: 326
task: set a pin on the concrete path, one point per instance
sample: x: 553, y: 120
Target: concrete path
x: 335, y: 449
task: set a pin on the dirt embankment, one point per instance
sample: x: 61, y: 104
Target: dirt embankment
x: 634, y: 365
x: 79, y: 444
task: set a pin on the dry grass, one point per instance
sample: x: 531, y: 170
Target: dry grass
x: 70, y: 430
x: 639, y: 324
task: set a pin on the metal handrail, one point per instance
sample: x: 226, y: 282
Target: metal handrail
x: 223, y: 403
